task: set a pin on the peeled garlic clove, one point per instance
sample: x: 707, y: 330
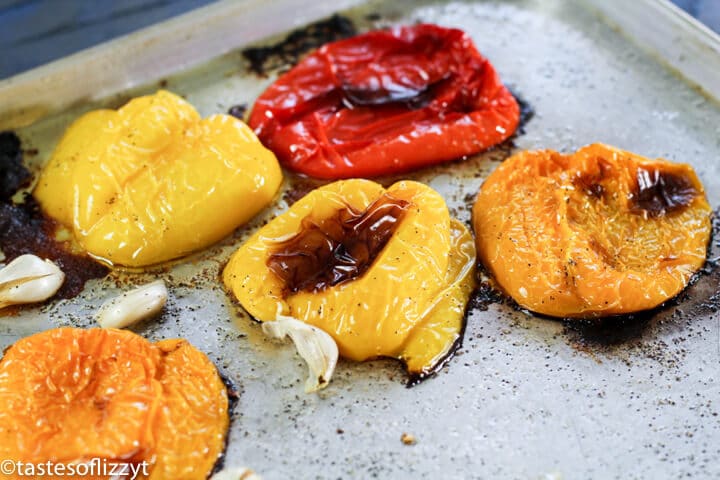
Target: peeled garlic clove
x: 315, y: 346
x: 133, y: 306
x: 29, y: 279
x: 238, y: 473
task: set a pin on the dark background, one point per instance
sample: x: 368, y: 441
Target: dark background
x: 33, y: 32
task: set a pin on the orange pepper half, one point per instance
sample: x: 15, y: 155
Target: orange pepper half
x: 71, y: 395
x: 596, y: 233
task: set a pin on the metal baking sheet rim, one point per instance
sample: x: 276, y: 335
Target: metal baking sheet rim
x: 196, y: 37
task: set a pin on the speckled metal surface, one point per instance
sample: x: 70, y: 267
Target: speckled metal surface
x: 525, y: 397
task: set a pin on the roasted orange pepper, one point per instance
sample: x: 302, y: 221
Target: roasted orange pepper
x: 597, y: 233
x: 71, y: 395
x: 386, y: 273
x: 153, y: 181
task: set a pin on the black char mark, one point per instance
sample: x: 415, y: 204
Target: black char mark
x: 659, y: 192
x: 591, y: 184
x: 527, y: 112
x: 480, y: 292
x: 327, y: 252
x: 238, y: 111
x: 289, y: 51
x: 13, y: 175
x: 24, y: 228
x: 701, y: 297
x: 412, y: 98
x: 233, y: 400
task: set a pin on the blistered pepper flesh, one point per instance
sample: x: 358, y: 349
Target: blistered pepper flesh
x: 596, y: 233
x: 153, y: 181
x: 385, y: 102
x: 407, y: 303
x: 70, y: 395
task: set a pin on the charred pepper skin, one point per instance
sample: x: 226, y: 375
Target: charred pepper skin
x: 385, y: 102
x: 597, y: 233
x: 408, y: 303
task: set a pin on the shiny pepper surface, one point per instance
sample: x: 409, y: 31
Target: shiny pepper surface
x: 405, y: 300
x: 599, y: 232
x: 385, y: 102
x: 153, y: 181
x: 70, y: 395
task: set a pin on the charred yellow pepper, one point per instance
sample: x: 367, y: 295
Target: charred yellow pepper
x: 154, y: 181
x: 387, y: 273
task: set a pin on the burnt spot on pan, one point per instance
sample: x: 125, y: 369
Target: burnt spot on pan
x: 656, y: 334
x: 527, y: 112
x: 24, y: 228
x: 485, y: 295
x: 299, y: 187
x: 233, y: 394
x: 290, y: 50
x: 13, y: 175
x: 238, y: 111
x: 590, y: 334
x: 481, y: 298
x: 417, y: 378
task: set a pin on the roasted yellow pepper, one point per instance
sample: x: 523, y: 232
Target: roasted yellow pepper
x: 387, y: 273
x: 154, y: 181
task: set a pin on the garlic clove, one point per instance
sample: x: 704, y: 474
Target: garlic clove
x: 131, y: 307
x: 314, y: 345
x: 29, y: 279
x: 236, y: 473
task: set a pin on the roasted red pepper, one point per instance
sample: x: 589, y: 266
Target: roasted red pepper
x: 385, y: 102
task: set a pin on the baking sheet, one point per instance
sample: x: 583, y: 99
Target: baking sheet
x: 525, y: 397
